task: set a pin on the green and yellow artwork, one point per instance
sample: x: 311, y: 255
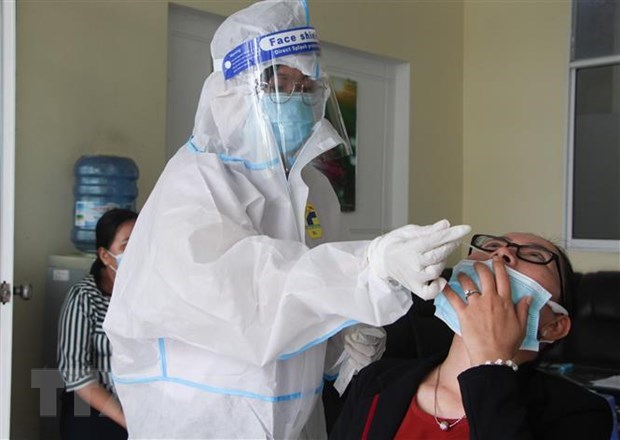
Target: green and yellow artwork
x: 339, y: 164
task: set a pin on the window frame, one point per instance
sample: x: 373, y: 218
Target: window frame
x: 597, y: 245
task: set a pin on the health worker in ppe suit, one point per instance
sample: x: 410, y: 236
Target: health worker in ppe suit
x: 230, y: 285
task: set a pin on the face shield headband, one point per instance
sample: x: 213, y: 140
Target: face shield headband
x: 266, y: 48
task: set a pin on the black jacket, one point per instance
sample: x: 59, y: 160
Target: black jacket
x: 499, y: 403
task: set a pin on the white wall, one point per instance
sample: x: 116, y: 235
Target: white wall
x: 90, y: 79
x: 515, y: 118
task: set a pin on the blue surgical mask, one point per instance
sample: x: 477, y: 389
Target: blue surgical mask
x: 520, y: 286
x: 291, y: 122
x: 118, y: 259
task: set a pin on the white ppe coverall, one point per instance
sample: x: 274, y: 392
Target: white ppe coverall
x: 223, y: 302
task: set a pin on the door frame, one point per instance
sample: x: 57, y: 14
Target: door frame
x: 7, y: 205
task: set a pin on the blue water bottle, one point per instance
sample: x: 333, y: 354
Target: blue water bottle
x: 101, y: 183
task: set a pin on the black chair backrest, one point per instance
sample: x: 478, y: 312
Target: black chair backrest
x: 593, y: 339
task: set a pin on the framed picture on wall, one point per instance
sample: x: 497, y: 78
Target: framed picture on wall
x: 338, y: 164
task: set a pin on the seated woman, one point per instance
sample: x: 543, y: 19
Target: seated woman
x: 486, y: 386
x: 83, y: 348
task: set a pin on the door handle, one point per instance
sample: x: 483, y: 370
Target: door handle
x: 24, y: 291
x: 5, y: 292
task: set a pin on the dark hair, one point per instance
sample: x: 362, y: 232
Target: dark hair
x: 105, y: 231
x: 268, y: 73
x: 568, y: 286
x: 567, y: 278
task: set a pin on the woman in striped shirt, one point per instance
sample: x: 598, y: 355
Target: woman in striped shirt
x: 83, y: 348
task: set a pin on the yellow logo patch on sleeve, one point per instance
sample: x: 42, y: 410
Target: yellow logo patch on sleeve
x: 313, y: 225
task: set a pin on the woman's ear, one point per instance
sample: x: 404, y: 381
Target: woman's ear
x: 557, y: 329
x: 104, y: 256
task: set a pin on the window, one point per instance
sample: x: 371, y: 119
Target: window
x: 593, y: 214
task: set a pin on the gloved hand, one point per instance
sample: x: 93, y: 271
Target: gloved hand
x: 363, y: 344
x: 414, y: 256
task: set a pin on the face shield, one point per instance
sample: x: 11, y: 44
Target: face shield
x: 273, y: 93
x: 288, y: 93
x: 289, y: 103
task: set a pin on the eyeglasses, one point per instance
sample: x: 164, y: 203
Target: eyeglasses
x: 281, y: 89
x: 531, y: 253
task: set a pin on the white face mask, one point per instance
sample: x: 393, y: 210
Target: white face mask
x: 118, y: 259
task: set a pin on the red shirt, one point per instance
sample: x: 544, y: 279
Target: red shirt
x: 419, y: 425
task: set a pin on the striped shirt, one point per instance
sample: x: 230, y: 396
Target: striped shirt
x: 83, y: 347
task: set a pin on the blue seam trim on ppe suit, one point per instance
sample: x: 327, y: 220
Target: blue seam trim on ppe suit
x: 231, y: 159
x: 162, y: 354
x: 249, y: 165
x: 305, y: 5
x: 330, y: 377
x: 231, y: 392
x: 194, y: 148
x: 217, y: 390
x: 311, y: 344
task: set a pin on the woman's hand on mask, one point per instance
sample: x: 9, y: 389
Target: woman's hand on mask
x: 492, y: 327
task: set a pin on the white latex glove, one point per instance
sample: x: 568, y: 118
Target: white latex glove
x: 414, y: 256
x: 363, y: 344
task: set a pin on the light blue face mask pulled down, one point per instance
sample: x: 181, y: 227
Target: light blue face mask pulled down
x: 291, y: 122
x: 118, y: 259
x: 520, y: 286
